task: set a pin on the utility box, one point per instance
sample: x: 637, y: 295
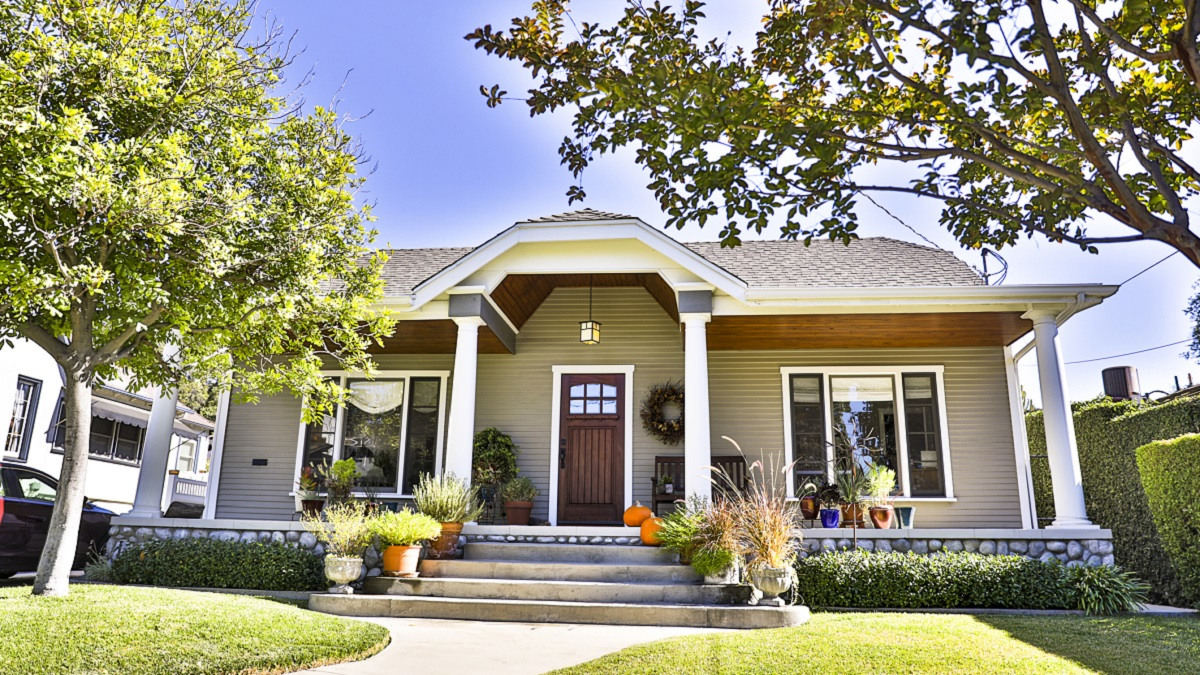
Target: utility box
x: 1121, y: 383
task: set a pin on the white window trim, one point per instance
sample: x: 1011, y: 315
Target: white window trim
x: 340, y: 418
x: 895, y: 372
x: 555, y: 419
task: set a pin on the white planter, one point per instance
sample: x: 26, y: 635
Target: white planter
x: 342, y: 571
x: 770, y: 582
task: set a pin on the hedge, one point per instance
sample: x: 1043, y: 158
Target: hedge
x: 951, y: 580
x: 211, y: 563
x: 1171, y: 476
x: 1108, y: 434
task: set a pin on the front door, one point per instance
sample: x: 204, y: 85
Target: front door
x: 591, y: 450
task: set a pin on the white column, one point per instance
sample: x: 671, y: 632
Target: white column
x: 1065, y: 476
x: 156, y: 448
x: 697, y: 445
x: 460, y: 437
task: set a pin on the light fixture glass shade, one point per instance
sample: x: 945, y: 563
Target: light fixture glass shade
x: 589, y: 332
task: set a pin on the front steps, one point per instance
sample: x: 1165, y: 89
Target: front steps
x: 561, y: 583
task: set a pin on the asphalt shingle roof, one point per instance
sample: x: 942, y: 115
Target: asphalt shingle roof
x: 580, y: 216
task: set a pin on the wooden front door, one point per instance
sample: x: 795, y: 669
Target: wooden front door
x: 591, y: 450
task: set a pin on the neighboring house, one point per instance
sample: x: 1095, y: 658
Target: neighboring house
x: 778, y: 346
x: 31, y: 399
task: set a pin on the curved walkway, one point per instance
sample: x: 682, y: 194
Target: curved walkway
x: 450, y: 647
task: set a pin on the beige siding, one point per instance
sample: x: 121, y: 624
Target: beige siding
x: 746, y: 399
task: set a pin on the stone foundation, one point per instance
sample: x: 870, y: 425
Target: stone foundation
x: 1072, y: 552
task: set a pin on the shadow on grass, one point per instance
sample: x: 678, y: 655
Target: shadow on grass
x: 1124, y: 644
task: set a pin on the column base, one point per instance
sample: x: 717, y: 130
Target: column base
x: 1072, y: 523
x: 136, y: 512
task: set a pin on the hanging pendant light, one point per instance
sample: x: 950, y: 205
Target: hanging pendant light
x: 589, y: 331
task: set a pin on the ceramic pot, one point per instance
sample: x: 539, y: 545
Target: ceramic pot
x: 881, y: 517
x: 830, y: 517
x: 401, y: 561
x: 728, y: 576
x: 446, y: 545
x: 311, y: 506
x: 341, y: 571
x: 852, y: 516
x: 770, y: 582
x: 669, y: 488
x: 905, y: 515
x: 809, y: 507
x: 517, y: 513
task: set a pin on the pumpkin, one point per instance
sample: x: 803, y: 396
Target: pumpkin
x: 650, y: 530
x: 637, y: 514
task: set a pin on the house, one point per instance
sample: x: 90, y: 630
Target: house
x: 31, y: 399
x: 777, y: 346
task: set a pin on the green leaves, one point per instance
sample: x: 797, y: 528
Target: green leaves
x: 212, y: 563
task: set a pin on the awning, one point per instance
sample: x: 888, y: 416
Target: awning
x: 138, y: 417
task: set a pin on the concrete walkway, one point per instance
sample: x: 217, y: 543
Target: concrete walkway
x: 450, y: 647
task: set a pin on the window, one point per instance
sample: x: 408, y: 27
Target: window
x: 56, y: 435
x: 116, y: 441
x: 20, y: 426
x: 34, y: 487
x: 185, y: 459
x: 391, y: 426
x: 891, y: 416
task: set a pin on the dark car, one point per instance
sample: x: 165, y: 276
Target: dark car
x: 26, y: 500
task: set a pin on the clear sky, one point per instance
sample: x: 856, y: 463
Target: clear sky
x: 451, y: 172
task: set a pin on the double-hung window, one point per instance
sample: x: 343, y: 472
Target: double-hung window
x: 116, y: 441
x: 20, y: 425
x: 392, y: 426
x: 890, y: 416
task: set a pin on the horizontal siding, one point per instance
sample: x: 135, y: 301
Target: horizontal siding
x: 746, y: 405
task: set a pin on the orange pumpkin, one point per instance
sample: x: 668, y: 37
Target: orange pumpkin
x: 650, y: 530
x: 636, y: 514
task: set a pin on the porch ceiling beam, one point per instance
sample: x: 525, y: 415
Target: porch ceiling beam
x: 477, y: 304
x: 866, y: 331
x: 518, y: 296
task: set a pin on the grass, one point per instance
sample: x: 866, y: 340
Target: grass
x: 116, y: 629
x: 926, y: 643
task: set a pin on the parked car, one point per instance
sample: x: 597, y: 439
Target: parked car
x: 26, y: 500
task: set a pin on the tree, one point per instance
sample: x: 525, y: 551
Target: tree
x: 1018, y: 116
x: 161, y: 196
x: 202, y: 396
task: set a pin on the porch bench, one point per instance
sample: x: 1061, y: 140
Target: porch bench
x: 672, y: 465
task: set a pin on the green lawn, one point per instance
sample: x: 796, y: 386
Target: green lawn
x: 115, y: 629
x: 926, y: 643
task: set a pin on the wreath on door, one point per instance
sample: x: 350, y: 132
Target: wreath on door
x: 669, y: 431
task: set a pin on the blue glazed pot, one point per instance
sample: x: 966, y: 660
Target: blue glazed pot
x: 830, y: 517
x: 905, y: 515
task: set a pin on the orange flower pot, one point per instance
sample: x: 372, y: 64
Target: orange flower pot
x: 401, y: 561
x: 444, y: 547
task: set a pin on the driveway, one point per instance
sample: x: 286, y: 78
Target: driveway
x: 451, y: 647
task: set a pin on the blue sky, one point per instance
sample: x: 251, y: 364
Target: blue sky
x: 451, y: 172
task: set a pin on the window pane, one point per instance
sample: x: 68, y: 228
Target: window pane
x: 808, y: 429
x: 420, y: 454
x: 16, y: 442
x: 373, y: 420
x: 318, y: 443
x: 609, y: 391
x: 593, y: 407
x: 577, y: 391
x: 58, y: 428
x: 128, y: 446
x: 864, y: 419
x: 593, y: 390
x: 100, y: 441
x: 609, y: 407
x: 923, y: 430
x: 33, y: 487
x: 576, y: 406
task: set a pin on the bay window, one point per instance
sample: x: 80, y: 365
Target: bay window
x: 391, y: 426
x: 889, y: 416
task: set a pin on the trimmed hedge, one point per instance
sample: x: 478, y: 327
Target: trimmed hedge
x: 1108, y: 434
x: 949, y: 580
x: 211, y: 563
x: 1171, y: 476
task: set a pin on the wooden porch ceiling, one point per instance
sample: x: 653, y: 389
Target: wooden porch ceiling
x: 866, y: 331
x: 436, y: 336
x: 519, y: 295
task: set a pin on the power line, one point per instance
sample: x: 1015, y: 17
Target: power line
x: 1168, y: 256
x: 1140, y: 351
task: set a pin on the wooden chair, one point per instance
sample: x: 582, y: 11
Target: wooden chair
x: 672, y: 465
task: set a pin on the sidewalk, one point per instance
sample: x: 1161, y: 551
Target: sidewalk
x: 452, y: 647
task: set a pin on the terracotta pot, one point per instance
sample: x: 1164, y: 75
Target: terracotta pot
x: 446, y: 545
x: 311, y: 506
x: 401, y: 561
x: 881, y: 517
x: 852, y: 516
x: 517, y: 513
x: 810, y: 508
x: 342, y: 571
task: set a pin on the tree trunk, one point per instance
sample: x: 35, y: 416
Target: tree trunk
x: 54, y: 568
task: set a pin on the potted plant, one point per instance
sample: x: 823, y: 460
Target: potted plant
x: 308, y: 491
x: 881, y: 482
x: 340, y: 479
x: 681, y: 528
x: 343, y: 529
x: 518, y: 495
x: 402, y: 532
x: 852, y: 492
x: 493, y: 463
x: 828, y: 499
x: 716, y: 555
x: 450, y: 501
x: 810, y: 503
x: 665, y: 484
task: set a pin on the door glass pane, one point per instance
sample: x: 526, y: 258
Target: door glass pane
x: 420, y: 454
x: 609, y: 391
x: 593, y: 407
x: 128, y: 446
x: 576, y: 406
x: 577, y: 391
x: 34, y: 487
x: 808, y: 429
x: 864, y: 419
x: 609, y: 407
x: 593, y: 390
x: 923, y: 430
x: 374, y: 416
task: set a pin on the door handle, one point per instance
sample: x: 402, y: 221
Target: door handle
x: 562, y: 453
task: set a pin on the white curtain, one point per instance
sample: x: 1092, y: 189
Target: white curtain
x: 376, y: 396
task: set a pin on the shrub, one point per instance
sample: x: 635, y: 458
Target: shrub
x: 519, y: 489
x: 909, y: 581
x: 342, y: 527
x: 447, y: 499
x: 494, y: 460
x: 404, y: 528
x: 711, y: 562
x: 681, y: 528
x: 211, y: 563
x: 1108, y: 434
x: 1171, y: 477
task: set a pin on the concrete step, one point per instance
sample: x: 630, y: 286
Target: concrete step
x: 582, y: 553
x: 560, y: 591
x: 711, y: 616
x: 638, y: 573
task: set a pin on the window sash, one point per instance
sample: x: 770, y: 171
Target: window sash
x: 24, y: 412
x: 905, y: 464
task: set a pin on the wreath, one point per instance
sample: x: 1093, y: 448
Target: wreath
x: 669, y: 432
